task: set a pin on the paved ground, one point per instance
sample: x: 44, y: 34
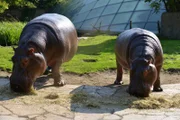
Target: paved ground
x: 80, y: 102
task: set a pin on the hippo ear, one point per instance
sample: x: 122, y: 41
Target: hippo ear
x: 14, y: 48
x: 30, y: 51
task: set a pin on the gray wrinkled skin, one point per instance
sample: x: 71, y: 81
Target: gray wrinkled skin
x: 139, y: 51
x: 47, y: 40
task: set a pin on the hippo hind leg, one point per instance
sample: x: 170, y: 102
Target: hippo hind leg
x: 118, y: 80
x: 57, y: 75
x: 157, y: 86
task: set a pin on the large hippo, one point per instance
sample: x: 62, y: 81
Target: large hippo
x: 47, y: 40
x: 139, y: 51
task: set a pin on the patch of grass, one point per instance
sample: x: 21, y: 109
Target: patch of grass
x: 52, y: 96
x: 10, y: 32
x: 157, y: 102
x: 80, y: 97
x: 100, y: 49
x: 84, y: 99
x: 5, y: 62
x: 97, y: 54
x: 171, y: 49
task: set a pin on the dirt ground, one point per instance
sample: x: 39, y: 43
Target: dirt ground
x: 105, y: 78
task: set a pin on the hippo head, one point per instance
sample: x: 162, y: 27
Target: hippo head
x: 27, y: 66
x: 143, y: 74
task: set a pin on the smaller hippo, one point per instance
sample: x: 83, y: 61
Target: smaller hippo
x: 139, y: 51
x: 47, y: 40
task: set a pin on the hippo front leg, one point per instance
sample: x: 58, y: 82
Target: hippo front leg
x: 157, y: 84
x: 118, y: 80
x: 57, y: 75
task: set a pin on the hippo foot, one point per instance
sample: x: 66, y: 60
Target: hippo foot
x: 157, y: 89
x: 60, y: 83
x: 118, y: 82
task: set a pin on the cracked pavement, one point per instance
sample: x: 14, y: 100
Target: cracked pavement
x: 94, y: 103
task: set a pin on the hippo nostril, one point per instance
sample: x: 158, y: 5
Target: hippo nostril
x: 16, y: 88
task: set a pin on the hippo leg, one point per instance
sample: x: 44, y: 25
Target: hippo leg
x: 57, y: 75
x: 118, y: 80
x: 157, y: 86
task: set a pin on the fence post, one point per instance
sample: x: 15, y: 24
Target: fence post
x: 159, y: 27
x: 130, y: 24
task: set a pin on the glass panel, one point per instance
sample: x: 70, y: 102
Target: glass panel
x: 154, y: 17
x: 88, y: 1
x: 117, y: 28
x: 122, y: 18
x: 101, y: 3
x: 130, y: 0
x: 95, y: 13
x: 78, y: 25
x: 143, y: 6
x: 87, y: 7
x: 111, y: 9
x: 106, y: 20
x: 151, y: 26
x: 141, y: 16
x: 104, y: 28
x: 115, y: 1
x: 80, y: 17
x: 89, y: 23
x: 128, y: 6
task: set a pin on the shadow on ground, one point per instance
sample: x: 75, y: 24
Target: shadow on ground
x: 95, y: 99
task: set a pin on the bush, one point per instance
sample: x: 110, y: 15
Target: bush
x: 3, y: 6
x: 10, y: 32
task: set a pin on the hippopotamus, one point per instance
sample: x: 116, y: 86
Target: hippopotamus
x: 47, y: 40
x: 139, y: 51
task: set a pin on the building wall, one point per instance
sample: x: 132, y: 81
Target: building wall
x: 170, y: 25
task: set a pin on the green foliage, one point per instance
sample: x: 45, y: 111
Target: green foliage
x: 170, y: 5
x: 20, y: 3
x: 47, y: 3
x: 3, y: 6
x: 44, y: 4
x: 10, y: 32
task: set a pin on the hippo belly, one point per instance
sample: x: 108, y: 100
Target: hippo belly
x: 138, y: 50
x: 47, y: 40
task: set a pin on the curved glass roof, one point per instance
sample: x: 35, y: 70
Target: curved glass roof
x: 113, y: 15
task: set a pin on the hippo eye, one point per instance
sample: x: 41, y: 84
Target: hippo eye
x: 24, y: 62
x: 145, y: 73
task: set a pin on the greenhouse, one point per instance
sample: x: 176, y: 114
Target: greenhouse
x: 113, y: 16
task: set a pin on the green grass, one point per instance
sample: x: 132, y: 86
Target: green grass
x: 171, y: 49
x: 99, y: 49
x: 5, y: 62
x: 97, y: 54
x: 10, y: 32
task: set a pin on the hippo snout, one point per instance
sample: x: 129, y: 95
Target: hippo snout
x: 139, y: 92
x: 16, y: 87
x: 20, y: 85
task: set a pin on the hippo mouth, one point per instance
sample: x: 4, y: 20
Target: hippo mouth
x: 136, y: 91
x: 16, y: 88
x: 138, y: 94
x: 21, y: 86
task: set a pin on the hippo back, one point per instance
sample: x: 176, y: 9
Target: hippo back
x: 63, y: 30
x: 131, y: 38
